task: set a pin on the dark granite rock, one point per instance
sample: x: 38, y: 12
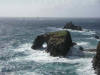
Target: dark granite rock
x: 96, y: 60
x: 58, y: 43
x: 70, y: 25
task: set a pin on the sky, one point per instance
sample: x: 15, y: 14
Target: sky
x: 50, y: 8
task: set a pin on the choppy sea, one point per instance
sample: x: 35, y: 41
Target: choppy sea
x: 18, y: 34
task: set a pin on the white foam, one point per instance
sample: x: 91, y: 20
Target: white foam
x: 74, y: 30
x: 86, y: 45
x: 89, y: 33
x: 20, y: 73
x: 82, y: 43
x: 84, y: 32
x: 83, y: 68
x: 23, y: 47
x: 36, y: 55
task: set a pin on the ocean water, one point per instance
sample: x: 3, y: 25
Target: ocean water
x: 17, y: 57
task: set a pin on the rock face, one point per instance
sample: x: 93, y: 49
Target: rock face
x: 58, y: 43
x: 70, y: 25
x: 96, y: 60
x: 39, y: 41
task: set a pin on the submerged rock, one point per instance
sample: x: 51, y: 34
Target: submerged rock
x: 90, y: 50
x: 70, y: 25
x: 74, y: 43
x: 81, y: 48
x: 58, y: 43
x: 97, y: 37
x: 96, y: 60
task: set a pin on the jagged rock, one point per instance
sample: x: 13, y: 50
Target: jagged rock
x: 70, y: 25
x: 96, y: 60
x: 58, y: 43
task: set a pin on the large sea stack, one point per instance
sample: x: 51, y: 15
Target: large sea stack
x: 96, y: 60
x: 58, y: 43
x: 70, y: 25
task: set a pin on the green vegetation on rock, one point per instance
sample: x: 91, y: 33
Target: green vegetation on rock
x: 56, y: 40
x: 59, y: 33
x: 58, y: 36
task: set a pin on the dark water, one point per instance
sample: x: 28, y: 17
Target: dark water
x: 17, y: 57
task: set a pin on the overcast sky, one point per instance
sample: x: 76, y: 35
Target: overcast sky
x: 49, y: 8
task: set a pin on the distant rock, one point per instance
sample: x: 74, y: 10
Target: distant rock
x: 96, y: 60
x: 58, y: 43
x: 70, y: 25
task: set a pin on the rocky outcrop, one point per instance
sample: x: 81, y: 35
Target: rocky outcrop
x: 58, y: 43
x: 70, y: 25
x: 96, y: 60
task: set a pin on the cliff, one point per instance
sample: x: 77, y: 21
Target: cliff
x: 96, y: 60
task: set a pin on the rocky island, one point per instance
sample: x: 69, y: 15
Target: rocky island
x: 58, y: 43
x: 70, y: 25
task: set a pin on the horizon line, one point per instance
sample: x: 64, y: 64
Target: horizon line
x: 42, y: 17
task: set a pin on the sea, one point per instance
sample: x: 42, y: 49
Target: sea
x: 17, y: 36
